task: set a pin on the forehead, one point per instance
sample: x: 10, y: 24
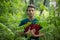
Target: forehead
x: 30, y: 8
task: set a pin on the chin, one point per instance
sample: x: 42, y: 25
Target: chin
x: 31, y: 16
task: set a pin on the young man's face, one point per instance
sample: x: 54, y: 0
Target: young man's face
x: 30, y: 12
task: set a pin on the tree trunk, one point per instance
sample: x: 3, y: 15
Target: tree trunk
x: 31, y: 1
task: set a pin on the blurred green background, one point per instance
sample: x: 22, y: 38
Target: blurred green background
x: 13, y: 11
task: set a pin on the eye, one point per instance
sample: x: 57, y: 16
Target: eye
x: 32, y: 10
x: 29, y: 10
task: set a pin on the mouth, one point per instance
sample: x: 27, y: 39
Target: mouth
x: 31, y: 15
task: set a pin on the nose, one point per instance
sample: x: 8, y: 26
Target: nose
x: 30, y: 11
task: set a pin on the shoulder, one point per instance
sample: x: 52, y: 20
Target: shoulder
x: 24, y: 19
x: 23, y: 22
x: 36, y: 19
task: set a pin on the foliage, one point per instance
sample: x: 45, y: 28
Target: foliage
x: 13, y: 11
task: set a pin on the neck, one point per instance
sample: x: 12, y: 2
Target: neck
x: 31, y: 18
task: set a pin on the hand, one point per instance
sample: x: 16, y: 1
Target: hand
x: 29, y: 31
x: 41, y: 34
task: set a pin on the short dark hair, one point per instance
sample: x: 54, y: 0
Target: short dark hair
x: 30, y: 6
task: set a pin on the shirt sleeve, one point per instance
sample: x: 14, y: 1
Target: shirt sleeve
x: 22, y: 23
